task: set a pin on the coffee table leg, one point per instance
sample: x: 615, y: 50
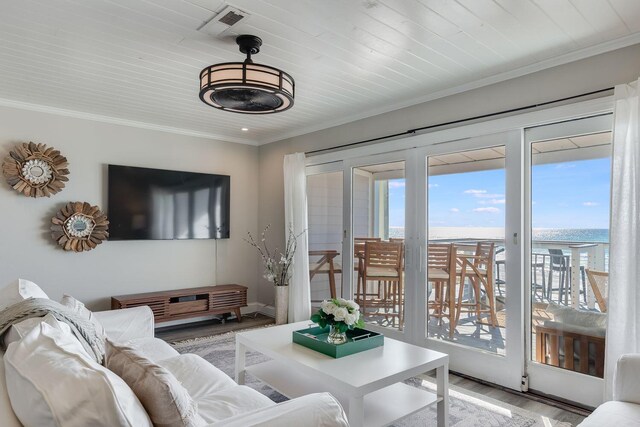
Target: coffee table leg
x: 442, y: 378
x: 241, y: 351
x: 356, y: 411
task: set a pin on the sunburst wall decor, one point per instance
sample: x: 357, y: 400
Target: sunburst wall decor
x: 79, y: 227
x: 35, y: 170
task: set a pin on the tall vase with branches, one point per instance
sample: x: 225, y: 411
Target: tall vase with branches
x: 277, y: 267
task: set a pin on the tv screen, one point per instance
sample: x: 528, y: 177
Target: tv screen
x: 154, y: 204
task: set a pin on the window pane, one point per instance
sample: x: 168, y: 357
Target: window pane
x: 570, y: 189
x: 324, y: 200
x: 466, y: 277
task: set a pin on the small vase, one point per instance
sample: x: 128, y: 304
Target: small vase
x: 282, y: 304
x: 335, y: 336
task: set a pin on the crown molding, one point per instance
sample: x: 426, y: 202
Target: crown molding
x: 496, y: 78
x: 118, y: 121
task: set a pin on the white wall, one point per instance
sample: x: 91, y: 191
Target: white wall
x: 598, y: 72
x: 121, y: 267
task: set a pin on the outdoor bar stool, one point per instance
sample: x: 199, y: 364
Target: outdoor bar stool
x: 538, y: 262
x: 325, y: 265
x: 358, y: 256
x: 441, y: 272
x: 383, y: 264
x: 479, y: 269
x: 559, y: 262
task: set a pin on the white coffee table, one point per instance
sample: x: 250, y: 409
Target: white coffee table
x: 368, y: 384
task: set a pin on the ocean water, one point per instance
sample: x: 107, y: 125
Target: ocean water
x: 542, y: 238
x: 585, y: 235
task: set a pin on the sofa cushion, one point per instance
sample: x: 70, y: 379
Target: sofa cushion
x: 153, y: 348
x: 7, y: 417
x: 79, y: 308
x: 592, y: 320
x: 231, y: 402
x: 166, y: 401
x: 198, y: 376
x: 614, y: 413
x: 52, y: 381
x: 218, y: 396
x: 317, y: 409
x: 19, y: 290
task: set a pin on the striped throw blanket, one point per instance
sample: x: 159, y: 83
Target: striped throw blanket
x: 82, y: 328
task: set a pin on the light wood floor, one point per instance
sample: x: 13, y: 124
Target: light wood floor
x: 531, y: 403
x: 521, y: 400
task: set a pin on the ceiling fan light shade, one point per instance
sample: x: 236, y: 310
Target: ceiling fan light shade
x: 245, y: 87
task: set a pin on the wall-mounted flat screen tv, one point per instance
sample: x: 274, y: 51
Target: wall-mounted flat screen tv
x: 154, y: 204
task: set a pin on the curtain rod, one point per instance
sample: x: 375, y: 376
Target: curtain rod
x: 453, y: 122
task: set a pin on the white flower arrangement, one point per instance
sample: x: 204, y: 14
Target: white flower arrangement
x: 341, y: 313
x: 276, y: 265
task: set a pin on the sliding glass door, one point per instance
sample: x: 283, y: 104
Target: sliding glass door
x: 326, y: 230
x: 472, y: 294
x: 493, y: 248
x: 378, y: 212
x: 569, y: 179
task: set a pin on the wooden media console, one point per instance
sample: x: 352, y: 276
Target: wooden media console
x: 187, y: 303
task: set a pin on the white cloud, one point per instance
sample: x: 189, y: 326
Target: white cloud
x: 492, y: 202
x: 590, y: 204
x: 490, y: 209
x: 489, y: 196
x: 565, y: 166
x: 396, y: 184
x: 433, y: 185
x: 496, y: 199
x: 454, y: 210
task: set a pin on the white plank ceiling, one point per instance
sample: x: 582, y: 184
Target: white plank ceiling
x: 138, y: 61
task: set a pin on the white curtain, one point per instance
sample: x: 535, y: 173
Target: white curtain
x: 623, y: 331
x: 295, y: 214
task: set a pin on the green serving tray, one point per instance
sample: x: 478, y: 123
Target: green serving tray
x: 315, y: 338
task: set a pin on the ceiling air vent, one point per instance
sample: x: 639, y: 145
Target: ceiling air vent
x: 225, y: 19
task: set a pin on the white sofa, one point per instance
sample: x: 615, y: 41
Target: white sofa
x: 624, y: 409
x: 221, y: 402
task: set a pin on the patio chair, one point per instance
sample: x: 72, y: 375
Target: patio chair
x: 358, y: 257
x: 559, y: 262
x: 479, y: 269
x: 325, y: 265
x: 382, y: 264
x: 441, y: 272
x: 599, y: 281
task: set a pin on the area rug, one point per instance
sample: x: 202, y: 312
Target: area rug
x: 466, y: 408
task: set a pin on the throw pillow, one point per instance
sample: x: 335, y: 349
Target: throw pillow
x: 52, y: 382
x: 79, y: 308
x: 19, y: 290
x: 21, y: 329
x: 167, y: 402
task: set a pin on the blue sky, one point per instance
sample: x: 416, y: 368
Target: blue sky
x: 565, y: 195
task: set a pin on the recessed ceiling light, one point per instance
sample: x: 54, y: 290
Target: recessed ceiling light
x: 244, y: 129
